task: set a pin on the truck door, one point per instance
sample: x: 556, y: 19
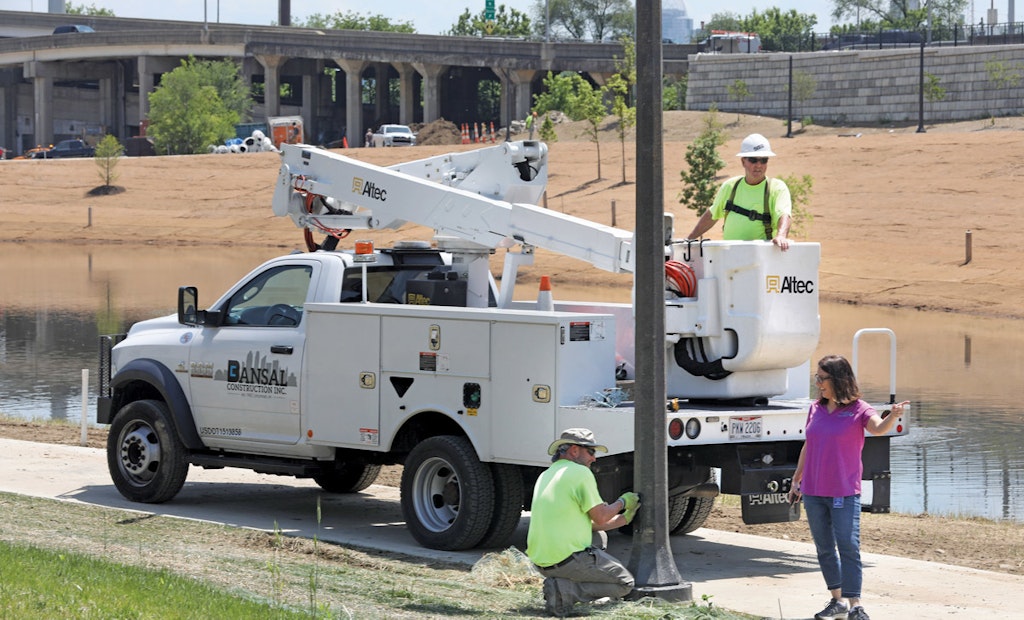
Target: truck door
x: 245, y: 372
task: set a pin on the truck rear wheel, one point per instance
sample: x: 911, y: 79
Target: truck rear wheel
x: 447, y: 494
x: 686, y: 514
x: 348, y: 478
x: 147, y: 461
x: 508, y: 505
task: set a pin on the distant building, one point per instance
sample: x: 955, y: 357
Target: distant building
x: 676, y: 26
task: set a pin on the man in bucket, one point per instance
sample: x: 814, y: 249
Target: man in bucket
x: 567, y: 510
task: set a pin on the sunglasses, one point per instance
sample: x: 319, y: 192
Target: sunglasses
x: 757, y: 160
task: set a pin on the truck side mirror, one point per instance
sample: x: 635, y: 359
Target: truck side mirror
x: 188, y: 305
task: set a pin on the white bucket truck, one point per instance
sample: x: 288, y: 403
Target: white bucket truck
x: 332, y: 363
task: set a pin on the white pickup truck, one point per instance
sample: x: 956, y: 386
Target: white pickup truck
x: 394, y: 135
x: 331, y: 363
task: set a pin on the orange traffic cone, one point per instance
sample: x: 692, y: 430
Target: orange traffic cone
x: 465, y: 133
x: 477, y: 127
x: 344, y: 142
x: 492, y: 131
x: 544, y: 301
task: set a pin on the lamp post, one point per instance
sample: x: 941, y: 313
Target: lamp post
x: 547, y: 20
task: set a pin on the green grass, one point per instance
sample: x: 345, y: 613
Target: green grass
x: 71, y: 560
x: 41, y: 583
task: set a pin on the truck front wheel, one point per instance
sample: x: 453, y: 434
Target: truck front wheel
x: 147, y: 461
x: 447, y: 494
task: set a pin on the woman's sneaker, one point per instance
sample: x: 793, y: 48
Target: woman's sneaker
x: 858, y: 613
x: 835, y: 610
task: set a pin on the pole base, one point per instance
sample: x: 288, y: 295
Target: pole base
x: 675, y: 593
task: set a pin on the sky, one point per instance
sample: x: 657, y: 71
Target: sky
x: 440, y: 17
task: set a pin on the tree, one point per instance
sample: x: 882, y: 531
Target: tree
x: 905, y: 14
x: 108, y: 153
x: 699, y: 187
x: 92, y: 9
x: 738, y: 91
x: 595, y: 20
x: 232, y: 89
x: 804, y: 86
x: 547, y: 130
x: 726, y: 20
x: 578, y: 99
x: 800, y: 190
x: 620, y: 86
x: 673, y: 93
x: 933, y: 91
x: 506, y: 22
x: 351, y: 20
x: 781, y: 32
x: 187, y: 112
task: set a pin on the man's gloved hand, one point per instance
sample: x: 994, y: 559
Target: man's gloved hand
x: 630, y: 513
x: 630, y: 501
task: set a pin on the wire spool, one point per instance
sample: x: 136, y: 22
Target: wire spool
x: 680, y: 279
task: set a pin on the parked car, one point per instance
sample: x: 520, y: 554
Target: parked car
x: 70, y: 148
x: 67, y: 28
x: 394, y: 135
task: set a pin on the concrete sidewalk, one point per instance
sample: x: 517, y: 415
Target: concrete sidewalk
x: 761, y: 576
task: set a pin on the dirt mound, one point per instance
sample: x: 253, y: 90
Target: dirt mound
x: 439, y: 132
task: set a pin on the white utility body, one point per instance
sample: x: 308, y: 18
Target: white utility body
x: 331, y: 363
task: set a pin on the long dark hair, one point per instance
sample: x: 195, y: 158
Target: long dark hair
x: 844, y: 384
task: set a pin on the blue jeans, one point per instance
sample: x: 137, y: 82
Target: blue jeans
x: 836, y: 532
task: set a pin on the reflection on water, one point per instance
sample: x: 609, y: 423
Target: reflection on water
x: 962, y: 456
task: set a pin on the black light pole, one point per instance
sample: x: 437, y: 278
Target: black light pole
x: 920, y: 94
x: 789, y: 108
x: 651, y: 560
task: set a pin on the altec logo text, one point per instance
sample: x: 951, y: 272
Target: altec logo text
x: 368, y: 188
x: 788, y: 284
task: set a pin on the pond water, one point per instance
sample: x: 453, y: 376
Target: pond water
x: 962, y: 456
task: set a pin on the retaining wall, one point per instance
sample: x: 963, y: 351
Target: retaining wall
x: 864, y: 86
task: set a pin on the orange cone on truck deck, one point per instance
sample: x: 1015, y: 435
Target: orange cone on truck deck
x: 544, y: 300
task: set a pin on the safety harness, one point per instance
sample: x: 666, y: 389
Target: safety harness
x: 764, y: 217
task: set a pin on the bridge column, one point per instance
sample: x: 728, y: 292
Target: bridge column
x: 382, y: 104
x: 310, y: 105
x: 521, y: 80
x: 145, y: 87
x: 431, y: 89
x: 9, y: 79
x: 272, y: 82
x: 406, y: 90
x: 354, y: 128
x: 42, y: 98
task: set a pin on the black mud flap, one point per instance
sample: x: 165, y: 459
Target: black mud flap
x: 768, y: 508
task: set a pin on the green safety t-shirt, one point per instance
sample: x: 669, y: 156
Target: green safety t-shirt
x: 740, y: 228
x: 559, y: 521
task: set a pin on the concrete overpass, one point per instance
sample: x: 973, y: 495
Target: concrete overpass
x: 54, y: 86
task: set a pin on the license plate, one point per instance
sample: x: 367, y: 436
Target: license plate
x: 748, y: 427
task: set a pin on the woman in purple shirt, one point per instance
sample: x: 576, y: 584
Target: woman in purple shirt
x: 828, y: 478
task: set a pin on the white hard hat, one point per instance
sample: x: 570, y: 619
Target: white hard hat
x: 755, y: 145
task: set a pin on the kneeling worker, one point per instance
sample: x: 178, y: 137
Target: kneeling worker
x: 567, y: 509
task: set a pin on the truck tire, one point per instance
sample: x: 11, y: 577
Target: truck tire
x: 147, y: 461
x: 508, y: 505
x: 447, y: 494
x: 686, y: 514
x: 348, y: 478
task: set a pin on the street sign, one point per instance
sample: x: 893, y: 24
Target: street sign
x: 489, y: 10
